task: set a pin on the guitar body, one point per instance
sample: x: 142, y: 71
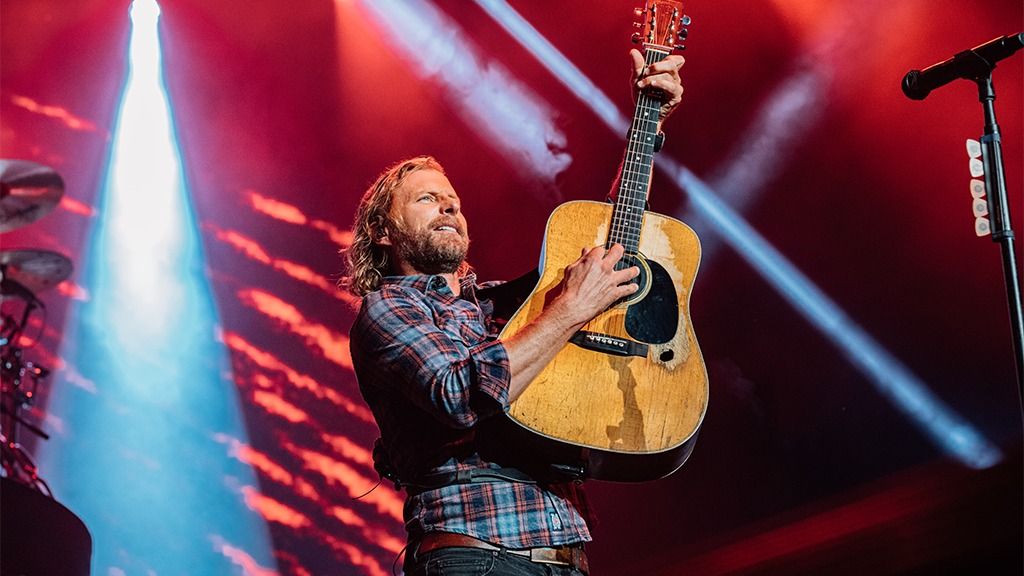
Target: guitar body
x: 625, y: 398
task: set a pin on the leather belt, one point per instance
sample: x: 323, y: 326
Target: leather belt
x: 563, y: 555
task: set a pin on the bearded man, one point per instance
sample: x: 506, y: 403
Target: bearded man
x: 431, y: 367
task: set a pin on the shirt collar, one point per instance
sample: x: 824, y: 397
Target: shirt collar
x: 428, y: 283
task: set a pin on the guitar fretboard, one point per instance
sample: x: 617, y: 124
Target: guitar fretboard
x: 631, y: 198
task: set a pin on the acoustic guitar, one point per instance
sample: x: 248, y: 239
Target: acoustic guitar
x: 623, y: 400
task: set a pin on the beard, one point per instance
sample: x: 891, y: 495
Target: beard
x: 431, y: 253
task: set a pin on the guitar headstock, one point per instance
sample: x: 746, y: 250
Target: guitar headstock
x: 662, y: 25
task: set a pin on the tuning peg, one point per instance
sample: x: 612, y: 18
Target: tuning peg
x: 635, y: 38
x: 638, y: 11
x: 683, y: 34
x: 685, y: 20
x: 680, y: 47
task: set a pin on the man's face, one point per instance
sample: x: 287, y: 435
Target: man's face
x: 427, y: 234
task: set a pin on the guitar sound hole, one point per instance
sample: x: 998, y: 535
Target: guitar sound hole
x: 667, y: 356
x: 641, y: 279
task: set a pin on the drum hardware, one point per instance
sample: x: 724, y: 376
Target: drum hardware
x: 40, y: 535
x: 19, y: 386
x: 28, y: 191
x: 26, y: 272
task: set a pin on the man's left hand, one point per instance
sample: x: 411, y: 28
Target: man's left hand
x: 660, y: 79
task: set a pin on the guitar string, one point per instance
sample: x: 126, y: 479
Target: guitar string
x: 631, y: 200
x: 638, y: 162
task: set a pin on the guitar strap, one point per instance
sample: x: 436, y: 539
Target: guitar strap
x: 473, y: 476
x: 382, y: 464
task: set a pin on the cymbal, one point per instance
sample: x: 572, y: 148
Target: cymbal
x: 32, y: 270
x: 28, y: 191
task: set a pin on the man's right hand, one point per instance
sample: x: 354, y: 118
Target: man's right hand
x: 592, y: 284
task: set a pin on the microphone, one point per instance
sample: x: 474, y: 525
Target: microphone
x: 970, y: 64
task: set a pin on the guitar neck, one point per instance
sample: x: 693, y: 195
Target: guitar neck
x: 631, y: 199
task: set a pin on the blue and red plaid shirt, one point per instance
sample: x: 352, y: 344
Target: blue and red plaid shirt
x: 431, y: 368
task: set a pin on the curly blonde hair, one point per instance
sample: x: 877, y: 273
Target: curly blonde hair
x: 366, y: 262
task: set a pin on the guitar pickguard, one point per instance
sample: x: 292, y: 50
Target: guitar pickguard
x: 655, y: 318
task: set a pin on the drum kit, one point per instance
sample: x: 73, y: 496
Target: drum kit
x: 41, y: 536
x: 28, y: 192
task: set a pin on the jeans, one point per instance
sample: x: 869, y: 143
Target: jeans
x: 477, y: 562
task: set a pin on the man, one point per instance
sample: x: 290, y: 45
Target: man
x: 431, y: 367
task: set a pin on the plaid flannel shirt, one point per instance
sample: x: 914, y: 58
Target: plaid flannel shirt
x: 431, y: 368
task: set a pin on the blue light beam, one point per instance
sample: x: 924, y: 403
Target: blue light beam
x: 951, y: 433
x: 147, y: 402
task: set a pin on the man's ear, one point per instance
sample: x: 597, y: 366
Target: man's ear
x: 381, y: 237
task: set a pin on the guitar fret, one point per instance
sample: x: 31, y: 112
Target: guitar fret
x: 631, y: 200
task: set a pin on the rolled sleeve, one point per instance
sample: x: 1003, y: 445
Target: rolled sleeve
x: 493, y: 373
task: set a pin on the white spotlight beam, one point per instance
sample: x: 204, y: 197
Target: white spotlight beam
x: 137, y: 454
x: 514, y: 120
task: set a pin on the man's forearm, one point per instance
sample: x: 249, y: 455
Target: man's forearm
x: 591, y: 284
x: 530, y: 350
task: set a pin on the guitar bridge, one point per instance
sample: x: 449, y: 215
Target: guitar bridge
x: 609, y: 344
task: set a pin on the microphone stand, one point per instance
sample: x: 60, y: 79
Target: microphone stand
x: 999, y: 210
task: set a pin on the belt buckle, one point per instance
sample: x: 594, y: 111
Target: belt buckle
x: 562, y: 556
x: 547, y: 556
